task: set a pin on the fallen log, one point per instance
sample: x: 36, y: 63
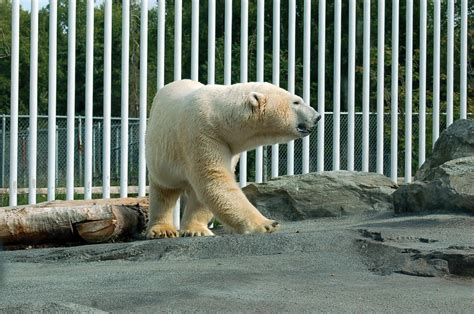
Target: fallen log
x: 92, y: 221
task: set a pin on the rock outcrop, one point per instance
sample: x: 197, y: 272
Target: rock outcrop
x: 445, y: 182
x: 448, y: 187
x: 455, y: 142
x: 327, y: 194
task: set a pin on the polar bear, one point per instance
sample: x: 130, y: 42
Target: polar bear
x: 195, y: 135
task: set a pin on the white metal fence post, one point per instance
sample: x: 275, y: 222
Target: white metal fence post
x: 394, y: 93
x: 71, y: 92
x: 422, y: 89
x: 321, y: 82
x: 89, y: 100
x: 408, y: 89
x: 160, y: 55
x: 351, y: 86
x: 124, y: 98
x: 380, y: 84
x: 436, y: 67
x: 228, y: 43
x: 195, y: 41
x: 450, y: 65
x: 107, y: 98
x: 177, y: 38
x: 211, y: 42
x: 32, y: 150
x: 336, y: 116
x: 15, y: 61
x: 143, y: 97
x: 366, y: 89
x: 463, y: 62
x: 53, y: 16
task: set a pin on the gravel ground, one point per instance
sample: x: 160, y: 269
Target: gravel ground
x: 370, y: 263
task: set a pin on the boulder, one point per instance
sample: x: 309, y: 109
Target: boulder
x: 448, y: 187
x: 455, y: 142
x: 327, y: 194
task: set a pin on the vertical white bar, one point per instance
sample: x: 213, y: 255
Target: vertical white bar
x: 290, y: 153
x: 306, y: 75
x: 450, y: 65
x: 89, y: 100
x: 160, y: 55
x: 422, y: 92
x: 71, y: 91
x: 321, y: 82
x: 408, y: 89
x: 195, y: 41
x: 276, y: 74
x: 260, y: 56
x: 243, y: 77
x: 228, y: 43
x: 143, y: 97
x: 124, y: 100
x: 463, y: 62
x: 366, y: 88
x: 15, y: 62
x: 336, y: 136
x: 211, y: 41
x: 394, y: 93
x: 380, y: 84
x: 351, y: 86
x: 32, y: 143
x: 177, y: 38
x: 436, y: 67
x: 53, y: 17
x: 107, y: 98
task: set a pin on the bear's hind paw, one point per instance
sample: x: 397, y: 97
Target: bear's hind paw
x: 199, y: 232
x: 162, y: 231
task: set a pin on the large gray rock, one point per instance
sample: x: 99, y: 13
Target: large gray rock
x: 448, y: 187
x: 455, y: 142
x: 327, y: 194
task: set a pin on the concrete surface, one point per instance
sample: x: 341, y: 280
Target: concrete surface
x: 369, y: 263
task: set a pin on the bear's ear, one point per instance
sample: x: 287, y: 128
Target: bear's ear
x: 256, y: 100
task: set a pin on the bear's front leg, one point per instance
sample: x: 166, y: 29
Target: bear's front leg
x: 217, y: 189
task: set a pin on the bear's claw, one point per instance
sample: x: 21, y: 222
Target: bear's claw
x: 162, y: 231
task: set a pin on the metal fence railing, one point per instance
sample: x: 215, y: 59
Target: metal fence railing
x: 333, y: 64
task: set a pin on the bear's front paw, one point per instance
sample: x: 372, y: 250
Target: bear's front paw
x: 267, y: 226
x: 162, y: 231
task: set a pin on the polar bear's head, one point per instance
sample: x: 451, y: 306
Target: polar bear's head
x: 283, y: 113
x: 262, y: 114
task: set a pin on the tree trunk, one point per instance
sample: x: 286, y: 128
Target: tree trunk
x: 68, y: 221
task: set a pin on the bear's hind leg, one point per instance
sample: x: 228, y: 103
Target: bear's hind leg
x: 195, y: 218
x: 162, y: 201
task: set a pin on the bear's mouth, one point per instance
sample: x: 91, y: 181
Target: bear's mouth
x: 303, y: 130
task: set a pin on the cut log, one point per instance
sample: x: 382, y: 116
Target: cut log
x: 69, y: 221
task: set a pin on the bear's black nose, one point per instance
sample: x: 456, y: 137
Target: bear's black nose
x: 317, y: 118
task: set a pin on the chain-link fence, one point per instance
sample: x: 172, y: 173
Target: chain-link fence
x: 61, y: 156
x: 61, y: 151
